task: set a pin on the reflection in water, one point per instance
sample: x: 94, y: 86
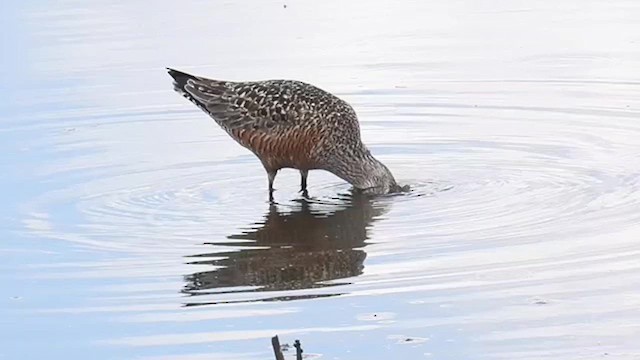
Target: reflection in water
x: 302, y: 248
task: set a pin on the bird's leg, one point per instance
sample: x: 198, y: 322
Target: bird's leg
x: 305, y: 194
x: 272, y: 175
x: 303, y: 180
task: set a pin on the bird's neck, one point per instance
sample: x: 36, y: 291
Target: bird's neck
x: 365, y: 172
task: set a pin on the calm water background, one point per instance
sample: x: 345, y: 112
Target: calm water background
x: 133, y: 227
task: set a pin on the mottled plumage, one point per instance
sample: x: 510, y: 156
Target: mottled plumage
x: 290, y: 124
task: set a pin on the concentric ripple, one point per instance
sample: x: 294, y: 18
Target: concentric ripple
x: 512, y: 209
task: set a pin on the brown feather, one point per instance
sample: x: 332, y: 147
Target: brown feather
x: 289, y: 124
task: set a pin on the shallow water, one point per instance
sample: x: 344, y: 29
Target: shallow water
x: 133, y: 227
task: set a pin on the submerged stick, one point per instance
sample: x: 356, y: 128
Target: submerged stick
x: 298, y: 349
x: 275, y: 342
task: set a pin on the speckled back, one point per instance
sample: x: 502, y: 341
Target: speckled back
x: 286, y: 123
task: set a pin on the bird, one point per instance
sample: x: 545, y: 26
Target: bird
x: 290, y: 124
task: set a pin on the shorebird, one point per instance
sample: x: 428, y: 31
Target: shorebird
x: 290, y: 124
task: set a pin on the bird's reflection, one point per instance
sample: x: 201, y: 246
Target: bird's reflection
x: 300, y: 248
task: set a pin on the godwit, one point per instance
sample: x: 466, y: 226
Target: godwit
x: 290, y: 124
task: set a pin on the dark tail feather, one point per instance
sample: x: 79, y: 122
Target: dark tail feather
x: 180, y: 79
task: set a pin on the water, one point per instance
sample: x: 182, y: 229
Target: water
x: 133, y: 227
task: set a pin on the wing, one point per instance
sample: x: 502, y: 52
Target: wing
x: 259, y: 105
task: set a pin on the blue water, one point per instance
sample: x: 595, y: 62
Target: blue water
x: 132, y: 227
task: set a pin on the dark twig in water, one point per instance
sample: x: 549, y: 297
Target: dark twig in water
x: 298, y: 350
x: 275, y: 342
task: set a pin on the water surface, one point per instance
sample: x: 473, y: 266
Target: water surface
x: 133, y: 227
